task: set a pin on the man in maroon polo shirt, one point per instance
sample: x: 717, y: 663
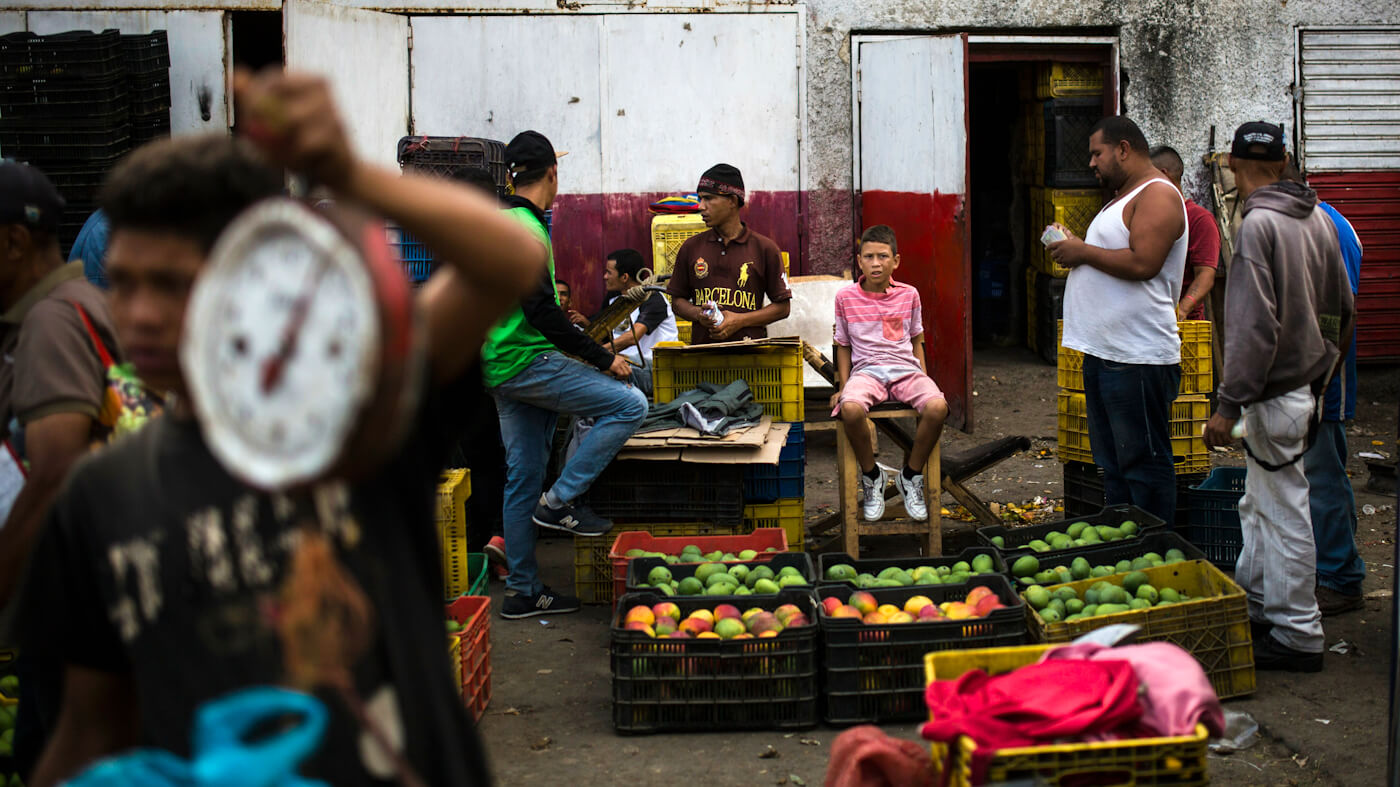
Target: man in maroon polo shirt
x: 1202, y: 245
x: 730, y: 265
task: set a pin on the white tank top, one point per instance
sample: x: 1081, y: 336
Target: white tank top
x: 1121, y: 320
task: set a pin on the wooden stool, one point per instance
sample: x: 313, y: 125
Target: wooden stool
x: 853, y: 527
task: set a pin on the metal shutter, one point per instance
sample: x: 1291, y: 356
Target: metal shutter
x: 1350, y: 113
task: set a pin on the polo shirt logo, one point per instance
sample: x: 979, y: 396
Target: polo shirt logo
x: 744, y: 273
x: 702, y: 268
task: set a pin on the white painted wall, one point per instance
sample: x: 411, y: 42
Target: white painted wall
x: 198, y: 83
x: 365, y: 53
x: 642, y: 102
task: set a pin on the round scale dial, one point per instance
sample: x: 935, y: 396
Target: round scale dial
x: 282, y: 345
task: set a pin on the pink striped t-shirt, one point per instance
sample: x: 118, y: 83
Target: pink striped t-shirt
x: 879, y: 327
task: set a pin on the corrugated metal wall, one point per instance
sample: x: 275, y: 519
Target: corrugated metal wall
x: 1349, y: 123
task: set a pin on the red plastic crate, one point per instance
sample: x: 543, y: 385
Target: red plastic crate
x: 474, y: 613
x: 759, y: 541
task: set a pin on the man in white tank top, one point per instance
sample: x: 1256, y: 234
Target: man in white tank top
x: 1120, y: 311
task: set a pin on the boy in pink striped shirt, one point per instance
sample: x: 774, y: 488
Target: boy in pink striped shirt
x: 879, y: 357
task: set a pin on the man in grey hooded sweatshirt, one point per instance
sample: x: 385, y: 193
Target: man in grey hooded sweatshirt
x: 1291, y: 318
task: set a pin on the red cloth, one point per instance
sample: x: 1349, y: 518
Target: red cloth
x: 867, y: 757
x: 1202, y: 249
x: 1034, y: 705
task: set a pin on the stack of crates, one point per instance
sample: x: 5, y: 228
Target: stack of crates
x: 1082, y: 478
x: 443, y: 157
x: 1061, y: 104
x: 463, y: 573
x: 668, y: 232
x: 72, y: 104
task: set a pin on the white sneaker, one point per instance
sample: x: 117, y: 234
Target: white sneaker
x: 913, y: 492
x: 873, y: 507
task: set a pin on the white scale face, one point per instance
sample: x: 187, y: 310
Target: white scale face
x: 281, y: 345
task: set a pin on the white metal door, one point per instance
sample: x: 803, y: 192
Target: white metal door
x: 198, y: 81
x: 365, y: 55
x: 1350, y: 113
x: 911, y: 173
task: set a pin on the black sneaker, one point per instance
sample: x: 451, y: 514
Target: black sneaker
x: 576, y: 519
x: 548, y: 602
x: 1270, y: 654
x: 1258, y: 630
x: 1332, y: 602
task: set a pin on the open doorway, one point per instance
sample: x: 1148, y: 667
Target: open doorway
x: 1030, y: 108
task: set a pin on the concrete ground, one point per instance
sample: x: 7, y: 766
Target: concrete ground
x: 550, y: 718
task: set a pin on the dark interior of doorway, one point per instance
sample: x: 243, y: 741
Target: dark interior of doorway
x: 996, y: 211
x: 257, y: 38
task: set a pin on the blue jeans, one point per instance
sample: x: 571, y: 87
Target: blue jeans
x: 1129, y: 407
x: 528, y: 405
x: 1333, y: 509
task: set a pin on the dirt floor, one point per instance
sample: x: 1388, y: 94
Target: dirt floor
x: 550, y: 718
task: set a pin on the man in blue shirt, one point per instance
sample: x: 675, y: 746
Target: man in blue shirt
x: 1340, y: 569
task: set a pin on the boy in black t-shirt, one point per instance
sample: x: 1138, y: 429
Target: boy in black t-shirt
x: 154, y: 584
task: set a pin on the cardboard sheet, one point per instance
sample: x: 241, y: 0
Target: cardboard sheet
x: 715, y: 452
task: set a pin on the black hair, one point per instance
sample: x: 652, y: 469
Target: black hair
x: 567, y: 286
x: 1118, y: 128
x: 191, y: 186
x: 880, y: 233
x: 530, y: 176
x: 629, y: 262
x: 1165, y: 157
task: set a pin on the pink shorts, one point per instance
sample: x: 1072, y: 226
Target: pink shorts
x: 916, y: 390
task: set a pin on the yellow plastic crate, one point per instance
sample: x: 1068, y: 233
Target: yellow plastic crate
x: 1213, y: 625
x: 773, y: 372
x: 1197, y: 376
x: 668, y: 232
x: 1063, y: 80
x: 1074, y: 208
x: 1143, y: 761
x: 454, y: 488
x: 593, y: 571
x: 683, y: 331
x: 789, y: 513
x: 1188, y: 417
x: 1196, y: 373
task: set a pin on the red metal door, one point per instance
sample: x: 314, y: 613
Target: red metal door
x: 912, y: 104
x: 1371, y: 202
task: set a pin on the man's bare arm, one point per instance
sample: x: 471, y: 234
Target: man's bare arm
x: 1203, y: 279
x: 54, y: 443
x: 628, y: 338
x: 1156, y: 222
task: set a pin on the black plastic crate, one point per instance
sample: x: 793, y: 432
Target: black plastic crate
x: 73, y: 54
x: 1084, y: 491
x: 656, y: 491
x: 78, y: 185
x: 703, y: 685
x: 1068, y: 123
x: 876, y: 565
x: 1049, y: 310
x: 1016, y: 538
x: 1214, y: 519
x: 149, y: 95
x: 44, y: 144
x: 639, y: 567
x: 146, y: 53
x: 875, y: 672
x: 51, y: 98
x: 1157, y: 541
x: 445, y: 155
x: 145, y: 128
x: 788, y: 478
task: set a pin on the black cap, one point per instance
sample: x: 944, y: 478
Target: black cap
x: 530, y: 150
x: 724, y: 179
x: 1267, y: 135
x: 28, y: 197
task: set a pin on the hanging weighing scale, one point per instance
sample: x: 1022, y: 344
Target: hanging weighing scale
x: 301, y: 351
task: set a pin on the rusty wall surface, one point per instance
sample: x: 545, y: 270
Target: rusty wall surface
x: 1187, y: 65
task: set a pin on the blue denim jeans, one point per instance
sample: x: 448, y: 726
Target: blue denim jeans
x: 1333, y: 509
x: 529, y: 404
x: 1129, y: 407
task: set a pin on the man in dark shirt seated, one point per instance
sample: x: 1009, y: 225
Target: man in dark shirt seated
x: 647, y: 325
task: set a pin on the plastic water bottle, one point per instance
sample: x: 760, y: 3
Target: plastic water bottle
x: 713, y: 312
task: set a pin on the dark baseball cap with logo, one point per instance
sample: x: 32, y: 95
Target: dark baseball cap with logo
x: 1259, y: 141
x: 530, y: 150
x: 28, y: 197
